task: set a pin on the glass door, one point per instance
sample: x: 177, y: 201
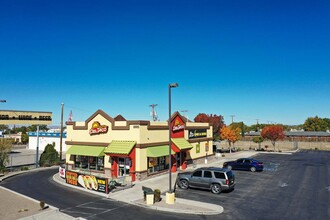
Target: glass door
x: 123, y: 166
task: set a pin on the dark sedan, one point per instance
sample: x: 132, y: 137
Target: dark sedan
x: 244, y: 164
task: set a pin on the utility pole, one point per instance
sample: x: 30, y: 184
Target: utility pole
x: 257, y: 124
x: 153, y: 112
x: 232, y: 118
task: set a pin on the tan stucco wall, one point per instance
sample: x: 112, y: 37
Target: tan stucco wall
x: 84, y: 136
x: 138, y: 133
x: 141, y: 161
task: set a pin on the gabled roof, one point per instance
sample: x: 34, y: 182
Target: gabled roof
x: 119, y: 118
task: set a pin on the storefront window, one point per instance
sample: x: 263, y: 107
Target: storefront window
x: 89, y: 162
x: 156, y: 164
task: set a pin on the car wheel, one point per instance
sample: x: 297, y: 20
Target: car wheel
x: 216, y: 188
x: 253, y: 169
x: 229, y: 167
x: 183, y: 184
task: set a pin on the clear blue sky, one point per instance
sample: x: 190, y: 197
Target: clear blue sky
x: 266, y: 60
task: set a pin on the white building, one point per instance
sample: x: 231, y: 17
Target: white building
x: 46, y: 138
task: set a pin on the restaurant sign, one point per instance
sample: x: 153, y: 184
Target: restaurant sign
x: 178, y: 126
x: 97, y: 128
x: 87, y: 181
x: 197, y: 133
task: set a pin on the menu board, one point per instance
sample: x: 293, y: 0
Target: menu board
x: 89, y: 182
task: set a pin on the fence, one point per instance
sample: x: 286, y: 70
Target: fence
x: 279, y: 145
x: 25, y: 158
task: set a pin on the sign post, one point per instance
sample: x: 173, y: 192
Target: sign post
x: 37, y: 151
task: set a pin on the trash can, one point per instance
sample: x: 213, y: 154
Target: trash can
x: 184, y: 165
x: 173, y: 168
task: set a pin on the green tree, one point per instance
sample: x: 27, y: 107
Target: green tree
x: 25, y: 138
x: 49, y: 157
x: 327, y: 122
x: 22, y: 129
x: 4, y: 128
x: 258, y: 140
x: 33, y: 128
x: 273, y: 133
x: 5, y: 148
x: 315, y: 124
x: 213, y: 119
x: 241, y: 126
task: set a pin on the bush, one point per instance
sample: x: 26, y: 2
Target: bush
x: 49, y: 157
x: 24, y: 168
x: 157, y: 197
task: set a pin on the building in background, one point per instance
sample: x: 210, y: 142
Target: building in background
x: 46, y: 138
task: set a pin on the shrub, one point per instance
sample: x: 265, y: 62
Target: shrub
x: 157, y: 197
x: 49, y: 157
x: 24, y: 168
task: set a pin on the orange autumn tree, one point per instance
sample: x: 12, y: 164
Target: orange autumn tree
x: 273, y: 133
x: 231, y: 134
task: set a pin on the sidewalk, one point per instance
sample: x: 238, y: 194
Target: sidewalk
x: 133, y: 195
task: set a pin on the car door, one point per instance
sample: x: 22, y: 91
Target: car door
x: 206, y: 179
x: 239, y: 164
x: 196, y: 179
x: 247, y: 164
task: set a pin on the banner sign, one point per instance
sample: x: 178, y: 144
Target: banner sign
x: 61, y: 172
x: 25, y: 117
x: 87, y: 181
x: 197, y: 133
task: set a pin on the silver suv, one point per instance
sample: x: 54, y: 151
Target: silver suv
x: 212, y: 178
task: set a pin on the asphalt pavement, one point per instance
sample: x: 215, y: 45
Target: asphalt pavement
x: 131, y: 195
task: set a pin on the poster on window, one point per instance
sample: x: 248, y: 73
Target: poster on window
x: 198, y: 148
x: 89, y: 182
x: 197, y: 133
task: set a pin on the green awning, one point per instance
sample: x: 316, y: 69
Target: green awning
x: 158, y: 151
x: 120, y: 147
x: 83, y: 150
x: 182, y: 143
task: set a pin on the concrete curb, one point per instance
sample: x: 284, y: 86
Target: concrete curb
x: 217, y: 210
x: 211, y: 210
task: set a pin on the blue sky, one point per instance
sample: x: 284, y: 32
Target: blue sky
x: 266, y: 60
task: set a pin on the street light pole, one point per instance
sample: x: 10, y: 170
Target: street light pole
x: 61, y: 134
x: 173, y: 85
x: 37, y: 148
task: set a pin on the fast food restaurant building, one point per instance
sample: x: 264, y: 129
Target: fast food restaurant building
x: 111, y: 148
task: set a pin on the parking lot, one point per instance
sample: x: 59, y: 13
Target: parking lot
x: 293, y: 186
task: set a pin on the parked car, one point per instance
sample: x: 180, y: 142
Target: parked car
x: 244, y: 164
x: 212, y: 178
